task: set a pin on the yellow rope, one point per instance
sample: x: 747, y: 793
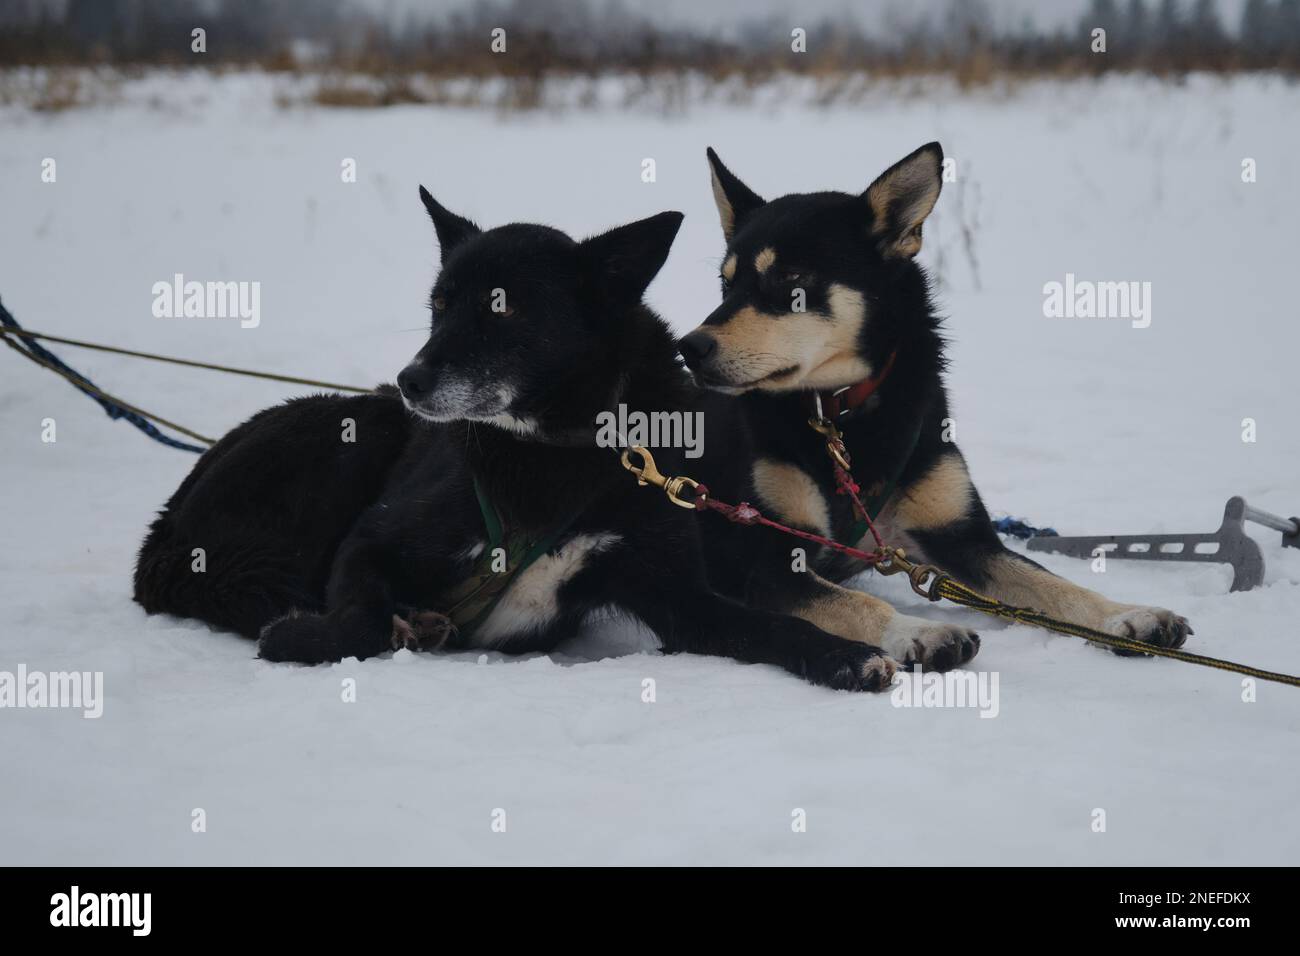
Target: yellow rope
x: 958, y: 593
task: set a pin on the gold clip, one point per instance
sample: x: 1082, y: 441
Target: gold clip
x: 648, y: 474
x: 924, y: 578
x: 834, y: 443
x: 825, y: 427
x: 892, y: 561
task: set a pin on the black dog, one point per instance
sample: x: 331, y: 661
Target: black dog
x: 825, y: 312
x: 494, y: 521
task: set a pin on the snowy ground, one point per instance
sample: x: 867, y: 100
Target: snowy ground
x: 1088, y: 425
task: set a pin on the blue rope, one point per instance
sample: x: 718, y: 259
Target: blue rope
x: 111, y: 408
x: 1019, y: 528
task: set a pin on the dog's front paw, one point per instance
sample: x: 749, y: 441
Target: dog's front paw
x: 1150, y: 625
x: 853, y: 667
x: 422, y: 630
x: 302, y: 638
x: 932, y: 644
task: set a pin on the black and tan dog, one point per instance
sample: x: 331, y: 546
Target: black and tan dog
x: 335, y: 527
x: 823, y: 300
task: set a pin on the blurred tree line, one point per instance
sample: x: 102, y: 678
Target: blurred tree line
x: 575, y: 36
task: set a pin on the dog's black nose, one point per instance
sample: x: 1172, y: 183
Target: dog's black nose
x: 696, y: 347
x: 415, y: 381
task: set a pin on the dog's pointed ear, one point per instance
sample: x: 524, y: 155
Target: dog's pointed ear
x: 900, y: 199
x: 735, y: 200
x: 452, y: 229
x: 624, y: 259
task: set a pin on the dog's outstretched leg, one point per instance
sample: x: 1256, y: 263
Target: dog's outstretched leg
x: 942, y: 512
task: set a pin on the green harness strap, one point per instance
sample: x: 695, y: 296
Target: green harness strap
x: 470, y: 602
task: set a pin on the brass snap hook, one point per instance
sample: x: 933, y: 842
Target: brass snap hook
x: 892, y: 561
x: 647, y: 474
x: 824, y: 427
x: 834, y: 442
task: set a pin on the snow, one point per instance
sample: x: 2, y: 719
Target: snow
x: 1086, y: 425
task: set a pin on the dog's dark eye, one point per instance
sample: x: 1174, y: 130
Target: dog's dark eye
x: 794, y: 278
x: 439, y: 304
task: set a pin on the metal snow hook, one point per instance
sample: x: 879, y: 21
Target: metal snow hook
x: 1229, y: 545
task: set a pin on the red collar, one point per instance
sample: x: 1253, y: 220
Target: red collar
x: 844, y: 400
